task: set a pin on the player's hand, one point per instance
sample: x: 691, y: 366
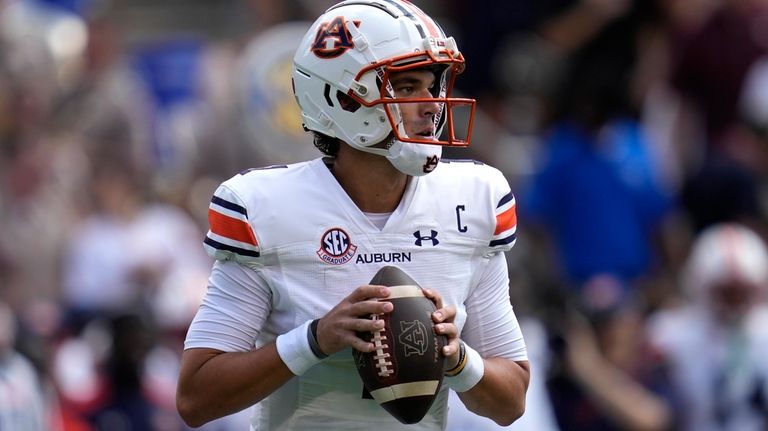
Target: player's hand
x: 338, y: 329
x: 443, y: 318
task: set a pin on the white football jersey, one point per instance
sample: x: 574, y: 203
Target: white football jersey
x: 290, y: 244
x: 719, y: 371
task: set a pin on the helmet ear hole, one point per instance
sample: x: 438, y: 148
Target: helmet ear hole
x: 346, y: 102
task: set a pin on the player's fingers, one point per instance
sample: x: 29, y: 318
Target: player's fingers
x: 358, y: 343
x: 455, y: 345
x: 366, y: 308
x: 447, y: 329
x: 451, y: 353
x: 368, y: 291
x: 444, y: 314
x: 364, y: 325
x: 434, y: 296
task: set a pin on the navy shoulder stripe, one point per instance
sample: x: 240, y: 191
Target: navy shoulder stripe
x: 502, y: 241
x: 229, y: 205
x: 237, y: 250
x: 505, y: 199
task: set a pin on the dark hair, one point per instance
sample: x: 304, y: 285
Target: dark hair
x: 328, y: 145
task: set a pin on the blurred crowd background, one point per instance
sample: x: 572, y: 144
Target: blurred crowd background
x: 634, y: 134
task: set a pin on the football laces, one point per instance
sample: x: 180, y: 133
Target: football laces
x: 381, y: 358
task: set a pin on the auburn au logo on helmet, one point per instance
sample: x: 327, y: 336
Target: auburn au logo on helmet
x: 333, y: 38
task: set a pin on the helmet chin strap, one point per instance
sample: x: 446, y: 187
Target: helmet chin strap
x: 414, y: 159
x: 411, y: 159
x: 375, y: 149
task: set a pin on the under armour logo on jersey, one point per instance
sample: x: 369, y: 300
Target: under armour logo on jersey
x: 421, y: 238
x: 333, y: 38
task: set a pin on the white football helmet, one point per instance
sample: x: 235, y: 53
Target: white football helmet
x: 723, y: 253
x: 353, y: 49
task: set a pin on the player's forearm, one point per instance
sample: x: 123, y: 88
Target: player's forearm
x: 628, y: 403
x: 213, y: 384
x: 500, y: 394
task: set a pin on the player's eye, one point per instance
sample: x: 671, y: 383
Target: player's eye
x: 405, y: 90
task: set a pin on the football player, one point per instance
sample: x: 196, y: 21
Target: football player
x: 296, y: 245
x: 714, y: 344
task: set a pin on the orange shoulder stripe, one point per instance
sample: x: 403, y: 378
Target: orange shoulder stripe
x: 231, y: 227
x: 506, y: 220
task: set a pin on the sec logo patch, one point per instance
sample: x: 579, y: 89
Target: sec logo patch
x: 336, y: 247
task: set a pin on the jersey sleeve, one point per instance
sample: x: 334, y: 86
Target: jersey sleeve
x: 230, y: 235
x: 492, y: 327
x: 505, y: 214
x: 233, y: 311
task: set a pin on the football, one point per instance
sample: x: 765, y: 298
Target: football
x: 405, y: 371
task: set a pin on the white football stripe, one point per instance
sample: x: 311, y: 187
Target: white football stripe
x: 405, y: 390
x: 405, y: 291
x: 228, y: 212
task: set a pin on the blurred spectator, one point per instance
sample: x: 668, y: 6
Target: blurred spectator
x: 22, y: 405
x: 597, y: 198
x: 131, y: 251
x: 104, y: 272
x: 101, y: 377
x: 711, y: 63
x: 107, y: 100
x: 716, y: 342
x: 29, y: 203
x: 734, y: 173
x: 604, y: 374
x: 125, y: 405
x: 713, y: 60
x: 597, y: 192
